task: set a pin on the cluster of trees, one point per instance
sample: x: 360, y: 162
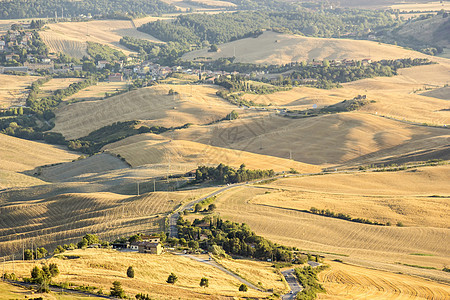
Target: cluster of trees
x: 19, y: 9
x: 44, y: 106
x: 328, y: 213
x: 233, y: 238
x: 236, y: 83
x: 43, y: 276
x: 164, y: 54
x: 307, y: 278
x: 226, y: 174
x: 225, y: 27
x: 103, y: 52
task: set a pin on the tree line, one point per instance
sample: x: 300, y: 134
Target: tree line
x: 18, y: 9
x: 226, y: 174
x: 233, y: 238
x: 225, y: 27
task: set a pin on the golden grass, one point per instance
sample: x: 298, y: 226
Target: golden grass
x: 323, y: 140
x: 64, y: 218
x: 12, y: 89
x: 98, y: 91
x: 9, y: 179
x: 410, y: 200
x: 260, y: 273
x: 54, y: 84
x: 99, y: 268
x: 183, y: 155
x: 20, y: 155
x: 61, y: 43
x: 343, y: 281
x: 276, y: 48
x: 429, y: 6
x: 71, y: 37
x: 9, y: 291
x: 152, y: 104
x: 367, y: 245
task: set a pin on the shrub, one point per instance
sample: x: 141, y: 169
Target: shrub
x: 172, y: 278
x: 204, y: 282
x: 243, y: 288
x: 130, y: 272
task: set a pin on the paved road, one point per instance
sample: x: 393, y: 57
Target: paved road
x: 293, y: 284
x: 216, y: 265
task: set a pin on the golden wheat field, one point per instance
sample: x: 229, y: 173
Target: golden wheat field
x: 343, y: 281
x: 196, y: 104
x: 19, y: 155
x: 183, y: 155
x: 71, y: 37
x: 99, y: 268
x: 48, y: 221
x: 429, y: 6
x: 61, y: 43
x: 440, y: 93
x: 98, y: 91
x: 10, y: 179
x: 13, y: 89
x: 9, y: 291
x: 383, y: 247
x: 54, y: 84
x: 276, y: 48
x: 324, y: 140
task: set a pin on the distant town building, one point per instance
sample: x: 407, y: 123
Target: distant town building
x: 116, y: 77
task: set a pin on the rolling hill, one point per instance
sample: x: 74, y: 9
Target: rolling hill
x: 277, y: 48
x: 152, y: 105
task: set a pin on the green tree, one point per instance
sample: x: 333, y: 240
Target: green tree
x: 130, y: 272
x: 117, y: 290
x: 172, y: 278
x: 204, y: 282
x: 193, y: 244
x: 243, y: 288
x: 197, y: 207
x: 213, y: 48
x: 54, y: 270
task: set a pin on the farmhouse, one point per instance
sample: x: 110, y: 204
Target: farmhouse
x: 116, y: 77
x: 148, y: 247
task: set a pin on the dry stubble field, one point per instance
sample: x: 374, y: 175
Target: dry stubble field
x: 276, y: 211
x: 12, y: 89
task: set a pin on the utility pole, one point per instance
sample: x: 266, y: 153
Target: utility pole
x: 154, y: 185
x: 13, y: 265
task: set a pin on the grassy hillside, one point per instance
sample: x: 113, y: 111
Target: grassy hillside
x: 344, y: 281
x: 366, y: 245
x: 65, y: 218
x: 195, y: 104
x: 12, y: 89
x: 183, y: 155
x: 71, y: 37
x: 328, y: 139
x: 277, y: 48
x: 19, y: 155
x: 99, y: 268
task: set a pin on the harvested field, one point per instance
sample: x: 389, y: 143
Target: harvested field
x: 152, y: 105
x: 59, y: 42
x: 343, y: 281
x: 100, y: 267
x: 183, y: 156
x: 65, y: 218
x: 98, y: 91
x: 324, y: 140
x: 13, y: 89
x: 276, y: 48
x: 423, y: 7
x: 10, y: 179
x: 367, y: 245
x: 19, y: 155
x: 440, y: 93
x: 54, y: 84
x: 71, y: 37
